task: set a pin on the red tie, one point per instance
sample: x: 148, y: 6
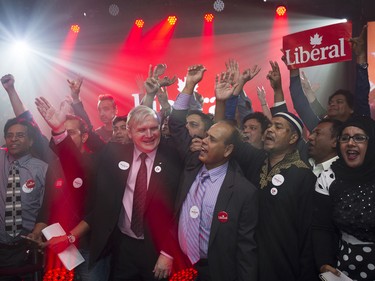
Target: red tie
x: 139, y: 199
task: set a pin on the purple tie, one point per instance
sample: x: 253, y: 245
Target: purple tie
x: 139, y: 199
x: 192, y: 237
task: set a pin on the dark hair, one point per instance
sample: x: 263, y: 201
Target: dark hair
x: 260, y: 117
x: 119, y: 119
x: 348, y: 97
x: 107, y: 97
x: 335, y: 128
x: 204, y: 117
x: 32, y: 128
x: 82, y: 124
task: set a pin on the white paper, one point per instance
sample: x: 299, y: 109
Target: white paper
x: 329, y: 276
x: 70, y: 257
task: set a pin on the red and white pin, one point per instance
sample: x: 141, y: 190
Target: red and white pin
x: 222, y: 216
x: 28, y: 186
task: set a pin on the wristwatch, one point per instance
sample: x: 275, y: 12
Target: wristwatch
x: 71, y: 238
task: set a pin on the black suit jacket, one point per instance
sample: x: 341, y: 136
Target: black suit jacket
x: 110, y: 186
x: 232, y: 251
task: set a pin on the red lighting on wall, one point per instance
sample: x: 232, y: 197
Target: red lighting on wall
x: 172, y: 20
x: 139, y: 23
x: 75, y: 28
x: 281, y: 10
x: 209, y: 17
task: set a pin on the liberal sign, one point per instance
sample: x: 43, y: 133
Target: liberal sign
x: 317, y: 46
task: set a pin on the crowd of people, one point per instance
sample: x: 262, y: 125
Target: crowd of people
x: 238, y: 195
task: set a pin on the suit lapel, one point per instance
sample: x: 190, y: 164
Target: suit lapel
x: 158, y: 169
x: 222, y: 201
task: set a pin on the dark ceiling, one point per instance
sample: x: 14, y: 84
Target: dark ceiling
x: 55, y: 14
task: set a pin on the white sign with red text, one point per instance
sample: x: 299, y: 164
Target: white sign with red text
x: 328, y: 44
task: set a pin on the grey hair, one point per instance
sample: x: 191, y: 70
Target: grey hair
x: 139, y: 113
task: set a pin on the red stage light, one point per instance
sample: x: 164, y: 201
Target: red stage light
x: 139, y: 23
x: 75, y: 28
x: 281, y: 10
x: 172, y: 20
x: 209, y: 17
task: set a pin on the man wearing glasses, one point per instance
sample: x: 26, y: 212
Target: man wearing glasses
x: 22, y: 187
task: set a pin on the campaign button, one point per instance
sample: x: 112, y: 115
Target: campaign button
x: 222, y: 217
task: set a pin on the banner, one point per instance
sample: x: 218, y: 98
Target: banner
x: 323, y: 45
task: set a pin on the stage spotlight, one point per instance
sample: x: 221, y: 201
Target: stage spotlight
x: 75, y: 28
x: 113, y: 10
x: 208, y: 18
x: 21, y: 48
x: 172, y: 20
x: 281, y: 10
x: 218, y: 5
x: 139, y: 23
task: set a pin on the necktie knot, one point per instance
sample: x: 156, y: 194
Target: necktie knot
x: 204, y: 176
x: 143, y: 156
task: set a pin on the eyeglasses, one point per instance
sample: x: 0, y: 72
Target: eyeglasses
x: 356, y: 138
x: 16, y: 135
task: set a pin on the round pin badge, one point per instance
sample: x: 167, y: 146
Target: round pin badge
x: 123, y: 165
x: 222, y: 217
x: 194, y: 212
x: 277, y: 180
x: 274, y: 191
x: 77, y: 183
x: 157, y: 169
x: 28, y: 186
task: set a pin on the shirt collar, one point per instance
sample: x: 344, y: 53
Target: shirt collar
x: 326, y: 164
x: 21, y: 161
x: 215, y: 173
x: 137, y: 152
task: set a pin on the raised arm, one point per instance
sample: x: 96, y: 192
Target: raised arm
x: 300, y: 102
x: 315, y: 105
x: 261, y: 93
x: 8, y: 82
x: 362, y: 85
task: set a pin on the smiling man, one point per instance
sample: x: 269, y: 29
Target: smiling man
x: 136, y: 188
x: 21, y: 191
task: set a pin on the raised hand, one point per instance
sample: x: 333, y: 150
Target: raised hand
x: 233, y: 67
x: 274, y: 76
x: 166, y: 81
x: 224, y: 86
x: 159, y: 70
x: 195, y: 74
x: 249, y: 73
x: 55, y: 119
x: 359, y: 45
x: 261, y: 93
x: 8, y: 82
x: 307, y: 88
x: 75, y: 88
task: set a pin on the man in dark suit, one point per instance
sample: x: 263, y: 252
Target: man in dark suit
x: 137, y: 253
x: 216, y: 232
x: 135, y: 187
x: 217, y: 208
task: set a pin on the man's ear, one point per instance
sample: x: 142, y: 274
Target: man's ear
x: 228, y: 150
x: 85, y: 136
x: 293, y: 138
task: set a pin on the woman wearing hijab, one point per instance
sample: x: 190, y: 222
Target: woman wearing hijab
x: 345, y: 205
